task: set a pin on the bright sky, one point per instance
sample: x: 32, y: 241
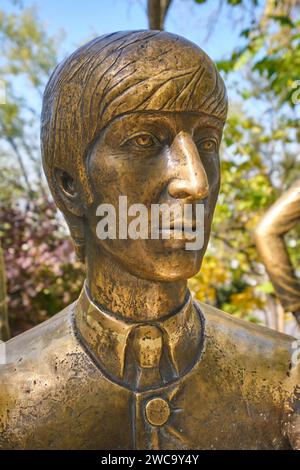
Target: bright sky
x: 82, y: 19
x: 216, y: 31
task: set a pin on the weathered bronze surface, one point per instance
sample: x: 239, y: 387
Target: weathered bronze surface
x: 135, y: 363
x: 269, y: 236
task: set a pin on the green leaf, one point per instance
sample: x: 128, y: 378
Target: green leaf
x: 267, y: 288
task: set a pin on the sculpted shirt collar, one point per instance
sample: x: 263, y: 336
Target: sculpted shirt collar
x: 145, y: 355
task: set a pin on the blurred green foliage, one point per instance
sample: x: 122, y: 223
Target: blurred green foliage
x: 42, y: 273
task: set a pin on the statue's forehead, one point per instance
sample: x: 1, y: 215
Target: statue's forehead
x: 164, y: 119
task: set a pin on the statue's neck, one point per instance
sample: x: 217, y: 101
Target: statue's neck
x: 120, y: 292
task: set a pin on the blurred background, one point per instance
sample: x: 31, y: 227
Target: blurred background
x: 256, y: 45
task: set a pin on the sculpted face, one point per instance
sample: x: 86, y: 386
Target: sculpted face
x: 155, y: 158
x: 137, y: 114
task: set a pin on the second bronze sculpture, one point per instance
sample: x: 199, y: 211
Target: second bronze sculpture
x: 135, y: 363
x: 269, y: 235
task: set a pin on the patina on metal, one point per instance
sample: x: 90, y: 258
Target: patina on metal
x: 136, y: 363
x: 269, y: 235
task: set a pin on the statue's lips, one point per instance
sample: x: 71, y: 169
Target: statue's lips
x: 180, y: 225
x: 176, y: 230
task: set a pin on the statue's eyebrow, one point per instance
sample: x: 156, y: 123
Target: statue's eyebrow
x: 206, y: 120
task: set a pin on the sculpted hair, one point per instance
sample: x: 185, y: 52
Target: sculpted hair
x: 112, y: 75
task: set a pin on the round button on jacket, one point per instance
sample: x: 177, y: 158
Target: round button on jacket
x: 157, y: 411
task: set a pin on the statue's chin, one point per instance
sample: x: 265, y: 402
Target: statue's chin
x: 169, y: 265
x: 164, y: 273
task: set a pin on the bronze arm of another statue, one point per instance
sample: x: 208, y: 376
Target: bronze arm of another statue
x: 269, y: 238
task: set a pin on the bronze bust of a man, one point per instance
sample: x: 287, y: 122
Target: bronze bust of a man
x: 135, y: 363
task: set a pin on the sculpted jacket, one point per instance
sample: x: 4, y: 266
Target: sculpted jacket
x: 196, y: 379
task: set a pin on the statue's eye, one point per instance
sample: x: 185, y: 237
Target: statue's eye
x: 208, y: 145
x: 144, y: 140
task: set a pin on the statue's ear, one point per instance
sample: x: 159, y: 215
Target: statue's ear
x: 68, y: 192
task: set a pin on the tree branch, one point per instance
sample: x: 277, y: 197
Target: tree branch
x: 157, y: 11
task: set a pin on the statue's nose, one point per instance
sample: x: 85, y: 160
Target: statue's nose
x: 191, y: 179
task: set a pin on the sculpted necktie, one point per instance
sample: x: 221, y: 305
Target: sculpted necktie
x: 147, y: 361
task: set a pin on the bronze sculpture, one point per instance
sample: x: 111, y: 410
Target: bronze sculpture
x: 135, y: 363
x: 269, y: 237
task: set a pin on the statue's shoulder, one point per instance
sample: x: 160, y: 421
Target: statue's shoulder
x: 263, y: 362
x: 37, y: 352
x: 263, y: 355
x: 247, y: 339
x: 42, y: 366
x: 41, y: 338
x: 28, y: 368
